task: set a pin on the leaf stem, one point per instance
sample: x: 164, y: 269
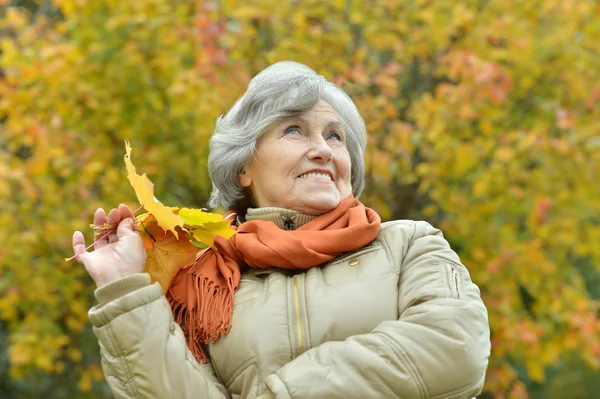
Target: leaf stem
x: 104, y: 235
x: 91, y: 245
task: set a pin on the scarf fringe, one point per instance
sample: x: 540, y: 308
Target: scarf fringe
x: 208, y: 318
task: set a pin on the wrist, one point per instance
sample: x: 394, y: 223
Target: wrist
x: 114, y: 275
x: 121, y: 287
x: 104, y: 280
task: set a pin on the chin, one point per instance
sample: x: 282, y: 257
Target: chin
x: 317, y: 206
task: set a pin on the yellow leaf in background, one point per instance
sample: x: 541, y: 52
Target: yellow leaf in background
x: 535, y: 370
x: 85, y: 382
x: 16, y: 18
x: 144, y: 190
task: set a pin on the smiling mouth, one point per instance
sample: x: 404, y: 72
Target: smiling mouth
x: 317, y: 176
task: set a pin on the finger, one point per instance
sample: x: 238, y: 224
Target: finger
x: 126, y: 211
x: 114, y: 216
x: 125, y: 227
x: 79, y: 245
x: 99, y: 220
x: 99, y: 217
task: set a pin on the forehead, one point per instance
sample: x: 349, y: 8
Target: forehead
x: 321, y: 107
x: 321, y: 113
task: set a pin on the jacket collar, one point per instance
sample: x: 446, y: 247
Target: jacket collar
x: 285, y: 219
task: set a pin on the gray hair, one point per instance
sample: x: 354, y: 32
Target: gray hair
x: 282, y: 91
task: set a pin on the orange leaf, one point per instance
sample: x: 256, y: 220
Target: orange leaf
x: 167, y: 254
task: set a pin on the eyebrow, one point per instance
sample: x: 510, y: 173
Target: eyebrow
x: 330, y: 123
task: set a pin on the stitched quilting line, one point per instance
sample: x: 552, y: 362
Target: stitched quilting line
x: 129, y: 378
x: 121, y: 359
x: 410, y: 243
x: 411, y: 368
x: 460, y: 391
x: 244, y: 366
x: 287, y: 388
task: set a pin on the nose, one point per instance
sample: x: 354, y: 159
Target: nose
x: 320, y: 150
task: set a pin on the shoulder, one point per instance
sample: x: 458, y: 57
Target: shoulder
x: 407, y: 230
x: 400, y: 236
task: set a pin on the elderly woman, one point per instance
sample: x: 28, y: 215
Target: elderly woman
x: 314, y: 297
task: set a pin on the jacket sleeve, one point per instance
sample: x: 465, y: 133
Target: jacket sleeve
x: 438, y: 348
x: 144, y: 353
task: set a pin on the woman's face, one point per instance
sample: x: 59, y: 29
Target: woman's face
x: 301, y: 163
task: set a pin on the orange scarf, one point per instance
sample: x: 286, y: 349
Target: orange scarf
x: 201, y: 295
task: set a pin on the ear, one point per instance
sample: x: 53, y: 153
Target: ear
x: 245, y: 179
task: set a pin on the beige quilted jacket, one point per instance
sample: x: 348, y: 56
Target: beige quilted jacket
x: 399, y: 318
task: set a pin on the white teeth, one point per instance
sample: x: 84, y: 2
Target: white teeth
x: 316, y: 175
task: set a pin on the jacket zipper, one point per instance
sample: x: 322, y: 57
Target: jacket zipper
x: 298, y: 314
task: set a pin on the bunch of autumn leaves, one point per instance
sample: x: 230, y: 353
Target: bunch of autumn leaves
x: 172, y: 236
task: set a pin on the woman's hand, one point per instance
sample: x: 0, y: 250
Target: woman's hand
x: 119, y: 255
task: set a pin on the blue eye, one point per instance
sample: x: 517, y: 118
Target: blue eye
x: 292, y: 130
x: 335, y: 135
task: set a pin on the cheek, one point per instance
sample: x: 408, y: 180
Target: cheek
x: 273, y: 163
x: 286, y: 155
x: 344, y: 166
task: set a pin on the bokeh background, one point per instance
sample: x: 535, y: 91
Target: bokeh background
x: 483, y: 118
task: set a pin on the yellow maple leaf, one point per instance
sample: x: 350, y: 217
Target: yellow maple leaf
x: 193, y: 217
x: 205, y: 225
x: 144, y: 190
x: 208, y: 231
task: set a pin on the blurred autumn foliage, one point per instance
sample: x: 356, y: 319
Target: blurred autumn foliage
x: 483, y: 118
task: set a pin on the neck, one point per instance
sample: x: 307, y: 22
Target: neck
x: 286, y: 219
